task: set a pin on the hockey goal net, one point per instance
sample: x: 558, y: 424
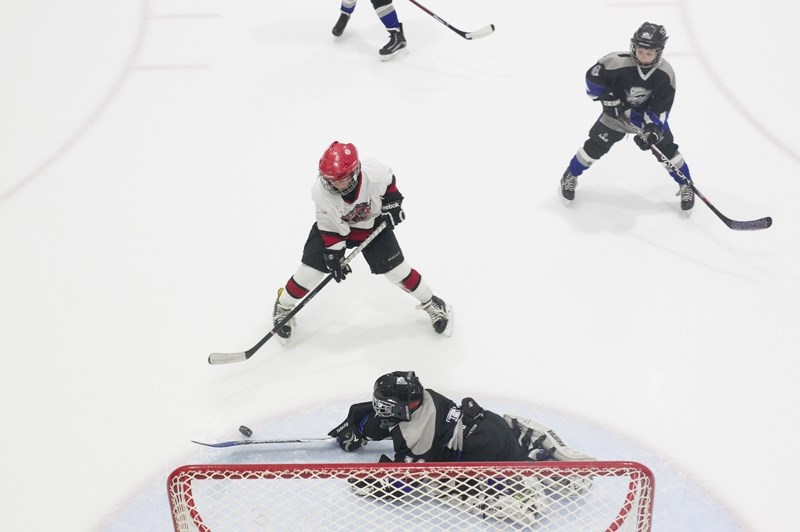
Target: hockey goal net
x: 552, y: 496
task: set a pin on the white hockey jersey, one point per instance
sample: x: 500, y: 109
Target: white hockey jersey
x: 339, y: 220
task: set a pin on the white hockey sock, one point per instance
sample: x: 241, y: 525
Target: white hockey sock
x: 303, y: 280
x: 410, y: 281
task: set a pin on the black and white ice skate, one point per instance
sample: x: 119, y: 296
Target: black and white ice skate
x: 340, y: 25
x: 279, y: 312
x: 396, y: 44
x: 687, y: 199
x: 568, y: 184
x: 441, y: 315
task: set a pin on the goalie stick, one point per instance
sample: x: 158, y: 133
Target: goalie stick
x: 736, y: 225
x: 234, y: 443
x: 469, y: 35
x: 230, y: 358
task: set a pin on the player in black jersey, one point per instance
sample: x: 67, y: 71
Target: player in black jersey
x: 636, y: 89
x: 426, y: 426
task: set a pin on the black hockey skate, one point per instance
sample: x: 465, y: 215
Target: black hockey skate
x: 441, y: 315
x: 279, y: 312
x: 568, y: 184
x: 340, y: 25
x: 687, y: 199
x: 396, y: 44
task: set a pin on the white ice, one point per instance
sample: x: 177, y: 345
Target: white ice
x: 155, y: 164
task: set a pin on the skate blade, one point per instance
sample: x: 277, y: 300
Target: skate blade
x: 688, y: 213
x: 567, y: 202
x: 448, y: 331
x: 399, y: 53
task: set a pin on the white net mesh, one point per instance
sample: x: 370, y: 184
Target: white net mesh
x: 552, y: 496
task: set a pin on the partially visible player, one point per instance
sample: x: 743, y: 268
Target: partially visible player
x: 352, y: 197
x: 635, y: 88
x: 426, y: 426
x: 385, y: 11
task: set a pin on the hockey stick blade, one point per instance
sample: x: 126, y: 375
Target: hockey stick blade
x: 470, y: 35
x: 483, y: 32
x: 216, y: 359
x: 235, y: 443
x: 736, y: 225
x: 750, y: 225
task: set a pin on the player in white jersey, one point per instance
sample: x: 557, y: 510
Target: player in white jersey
x: 352, y: 198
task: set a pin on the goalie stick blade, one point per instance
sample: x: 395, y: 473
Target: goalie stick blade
x: 216, y: 359
x: 483, y: 32
x: 751, y: 225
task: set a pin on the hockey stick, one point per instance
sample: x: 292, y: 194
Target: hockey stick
x: 229, y: 358
x: 469, y: 35
x: 234, y: 443
x: 736, y: 225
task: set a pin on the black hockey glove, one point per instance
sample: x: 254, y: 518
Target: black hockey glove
x: 392, y: 210
x: 347, y: 433
x: 348, y: 436
x: 612, y: 105
x: 333, y: 262
x: 651, y: 134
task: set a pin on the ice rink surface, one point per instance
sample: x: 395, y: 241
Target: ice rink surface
x: 155, y: 170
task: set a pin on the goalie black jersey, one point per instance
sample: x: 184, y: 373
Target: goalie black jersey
x: 648, y: 91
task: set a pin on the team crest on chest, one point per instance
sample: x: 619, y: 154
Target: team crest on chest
x: 638, y: 95
x: 359, y: 212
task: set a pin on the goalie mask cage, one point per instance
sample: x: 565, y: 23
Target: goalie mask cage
x: 551, y: 496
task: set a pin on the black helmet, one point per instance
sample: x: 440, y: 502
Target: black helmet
x: 396, y: 395
x: 651, y: 37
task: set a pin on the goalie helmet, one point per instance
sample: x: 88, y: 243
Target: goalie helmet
x: 339, y: 164
x: 396, y: 395
x: 650, y: 37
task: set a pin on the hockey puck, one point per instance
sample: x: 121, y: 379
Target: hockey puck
x: 245, y: 430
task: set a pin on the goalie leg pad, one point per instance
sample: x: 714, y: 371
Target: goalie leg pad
x: 529, y: 431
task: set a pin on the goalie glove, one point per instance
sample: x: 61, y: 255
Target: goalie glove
x: 348, y: 433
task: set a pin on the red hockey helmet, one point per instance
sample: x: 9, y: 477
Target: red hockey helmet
x: 339, y: 167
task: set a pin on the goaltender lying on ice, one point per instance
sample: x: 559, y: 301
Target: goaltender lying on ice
x: 426, y: 426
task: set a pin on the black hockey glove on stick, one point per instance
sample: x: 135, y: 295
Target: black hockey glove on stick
x: 736, y: 225
x: 348, y: 433
x: 612, y: 105
x: 650, y: 136
x: 229, y: 358
x: 334, y: 259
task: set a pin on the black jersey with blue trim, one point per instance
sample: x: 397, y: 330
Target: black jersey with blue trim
x: 648, y: 91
